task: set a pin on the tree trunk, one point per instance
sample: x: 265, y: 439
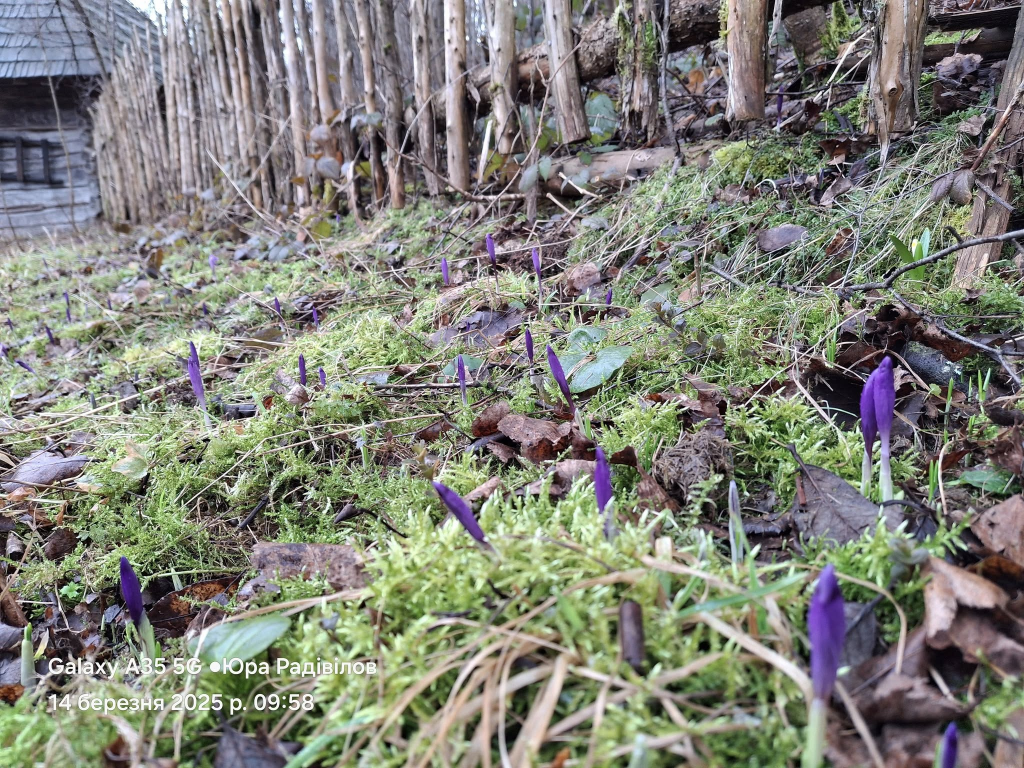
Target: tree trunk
x: 895, y: 70
x: 349, y: 99
x: 362, y: 9
x: 302, y: 22
x: 323, y: 84
x: 456, y: 117
x: 291, y: 67
x: 639, y: 73
x: 504, y: 74
x: 572, y: 114
x: 250, y: 146
x: 747, y: 39
x: 988, y: 217
x: 393, y: 110
x: 418, y: 13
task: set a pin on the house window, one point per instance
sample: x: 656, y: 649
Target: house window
x: 26, y: 161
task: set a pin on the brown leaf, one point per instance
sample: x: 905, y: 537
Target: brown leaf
x: 972, y: 126
x: 173, y: 612
x: 487, y: 422
x: 580, y: 277
x: 565, y: 474
x: 340, y: 564
x: 431, y: 432
x: 961, y: 188
x: 940, y: 187
x: 1007, y: 450
x: 834, y: 509
x: 903, y: 699
x: 782, y: 236
x: 236, y: 750
x: 483, y: 492
x: 44, y: 468
x: 538, y: 440
x: 1001, y: 528
x: 60, y: 544
x: 631, y: 634
x: 837, y: 188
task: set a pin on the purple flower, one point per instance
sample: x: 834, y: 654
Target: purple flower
x: 206, y: 311
x: 950, y: 741
x: 608, y: 298
x: 49, y: 334
x: 302, y: 370
x: 460, y: 367
x: 529, y: 345
x: 603, y: 492
x: 109, y: 305
x: 277, y: 308
x: 316, y: 318
x: 877, y: 403
x: 10, y: 323
x: 4, y: 349
x: 323, y: 376
x: 195, y: 375
x: 444, y: 271
x: 559, y: 374
x: 67, y: 307
x: 24, y: 365
x: 535, y: 255
x: 826, y: 627
x: 460, y: 509
x: 131, y: 591
x: 213, y: 265
x: 490, y: 251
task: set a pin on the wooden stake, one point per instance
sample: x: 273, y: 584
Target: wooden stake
x: 747, y: 41
x: 456, y: 112
x: 572, y: 115
x: 504, y: 74
x: 291, y: 68
x: 349, y: 99
x: 418, y: 13
x: 363, y: 23
x: 390, y: 65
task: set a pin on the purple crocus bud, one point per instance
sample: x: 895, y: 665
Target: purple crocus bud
x: 206, y: 310
x: 213, y: 265
x: 4, y: 349
x: 316, y: 318
x: 826, y: 627
x: 603, y: 492
x: 10, y: 323
x: 608, y: 298
x: 195, y: 375
x: 302, y: 370
x: 869, y: 428
x: 277, y: 308
x: 778, y: 106
x: 884, y: 393
x: 559, y: 374
x: 131, y: 591
x: 529, y: 346
x: 460, y: 509
x: 109, y: 305
x: 460, y: 367
x: 535, y: 255
x: 444, y: 271
x: 49, y: 334
x: 490, y: 251
x: 67, y: 307
x: 948, y: 747
x: 323, y: 377
x: 24, y: 365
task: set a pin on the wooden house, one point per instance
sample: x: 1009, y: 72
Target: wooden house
x: 53, y: 58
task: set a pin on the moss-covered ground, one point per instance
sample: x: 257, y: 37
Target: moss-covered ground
x: 471, y: 646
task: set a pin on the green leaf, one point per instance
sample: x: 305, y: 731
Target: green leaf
x: 544, y: 166
x: 987, y: 479
x: 241, y: 640
x: 595, y: 373
x: 901, y: 249
x: 586, y: 336
x: 585, y: 158
x: 472, y: 363
x: 133, y: 467
x: 660, y: 294
x: 529, y: 179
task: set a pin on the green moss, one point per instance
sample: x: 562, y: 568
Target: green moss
x: 838, y: 29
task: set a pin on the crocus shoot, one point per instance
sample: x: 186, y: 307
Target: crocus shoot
x: 461, y: 511
x: 877, y: 401
x: 529, y: 345
x: 213, y: 266
x: 492, y: 256
x: 945, y: 756
x: 608, y: 298
x: 23, y: 364
x: 302, y: 370
x: 67, y: 307
x: 195, y: 376
x: 737, y: 536
x: 28, y: 661
x: 460, y: 368
x: 131, y: 591
x: 603, y: 492
x: 559, y: 376
x: 316, y: 318
x: 323, y: 377
x: 536, y: 270
x: 49, y: 334
x: 826, y: 628
x: 277, y: 308
x: 444, y: 272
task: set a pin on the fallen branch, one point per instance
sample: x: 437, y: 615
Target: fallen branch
x: 896, y: 272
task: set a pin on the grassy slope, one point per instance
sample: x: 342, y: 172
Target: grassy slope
x: 435, y: 599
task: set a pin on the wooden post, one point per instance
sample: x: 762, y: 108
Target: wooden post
x: 418, y: 13
x: 323, y: 84
x: 639, y: 72
x: 747, y: 41
x: 988, y: 217
x: 456, y: 112
x: 572, y: 114
x: 895, y: 70
x: 504, y: 74
x: 291, y: 68
x: 347, y: 85
x: 302, y: 23
x: 385, y: 12
x: 363, y: 23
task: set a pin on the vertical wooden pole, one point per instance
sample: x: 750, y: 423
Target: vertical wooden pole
x: 572, y: 114
x: 456, y: 109
x: 390, y: 65
x: 248, y: 115
x: 504, y: 74
x: 302, y: 22
x: 243, y: 136
x: 349, y: 98
x: 747, y: 42
x: 363, y: 23
x: 418, y: 16
x: 639, y: 73
x: 895, y: 70
x: 170, y: 104
x: 323, y: 84
x: 291, y: 66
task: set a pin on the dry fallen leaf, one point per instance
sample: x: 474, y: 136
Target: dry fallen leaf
x: 1001, y: 529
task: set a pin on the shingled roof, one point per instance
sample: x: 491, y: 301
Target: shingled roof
x: 41, y: 38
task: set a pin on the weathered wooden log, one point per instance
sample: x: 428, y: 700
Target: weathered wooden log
x: 607, y: 170
x: 456, y: 117
x: 747, y: 41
